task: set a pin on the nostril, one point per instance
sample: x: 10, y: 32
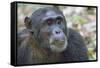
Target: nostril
x: 57, y: 32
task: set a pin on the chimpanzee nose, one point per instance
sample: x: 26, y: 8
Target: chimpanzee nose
x: 57, y: 32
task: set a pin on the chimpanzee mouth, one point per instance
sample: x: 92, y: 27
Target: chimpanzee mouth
x: 58, y: 45
x: 58, y: 42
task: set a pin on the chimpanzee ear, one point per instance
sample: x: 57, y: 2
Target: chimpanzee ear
x: 27, y: 22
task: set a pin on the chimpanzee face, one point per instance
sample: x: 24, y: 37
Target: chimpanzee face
x: 51, y: 30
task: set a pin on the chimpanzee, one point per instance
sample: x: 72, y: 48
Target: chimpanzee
x: 46, y: 39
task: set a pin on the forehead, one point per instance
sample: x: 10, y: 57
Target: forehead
x: 52, y: 14
x: 45, y: 13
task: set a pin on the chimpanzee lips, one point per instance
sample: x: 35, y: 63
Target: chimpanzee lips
x: 58, y: 42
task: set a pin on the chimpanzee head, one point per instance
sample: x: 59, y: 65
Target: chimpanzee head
x: 48, y: 26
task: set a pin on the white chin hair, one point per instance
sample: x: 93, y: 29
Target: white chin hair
x: 58, y: 49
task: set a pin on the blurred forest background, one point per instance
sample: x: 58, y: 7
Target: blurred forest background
x: 82, y: 19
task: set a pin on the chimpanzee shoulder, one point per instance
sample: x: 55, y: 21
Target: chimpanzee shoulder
x: 76, y: 49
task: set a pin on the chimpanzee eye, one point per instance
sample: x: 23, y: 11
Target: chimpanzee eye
x: 32, y: 32
x: 58, y: 21
x: 49, y: 22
